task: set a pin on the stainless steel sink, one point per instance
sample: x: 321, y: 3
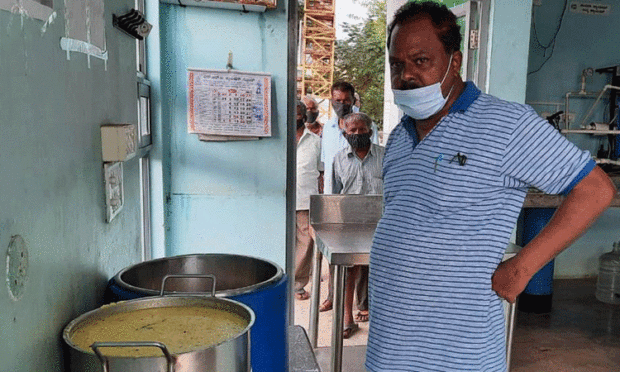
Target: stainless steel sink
x: 346, y: 225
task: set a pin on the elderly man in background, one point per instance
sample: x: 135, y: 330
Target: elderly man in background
x: 308, y: 169
x: 332, y: 141
x: 357, y: 170
x: 312, y: 113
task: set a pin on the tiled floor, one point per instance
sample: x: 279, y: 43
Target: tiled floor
x: 580, y: 334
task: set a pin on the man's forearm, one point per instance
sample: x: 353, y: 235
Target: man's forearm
x: 578, y: 211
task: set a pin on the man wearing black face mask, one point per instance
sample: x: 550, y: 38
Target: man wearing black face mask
x: 312, y: 115
x: 357, y: 169
x: 343, y: 97
x: 333, y: 140
x: 308, y: 170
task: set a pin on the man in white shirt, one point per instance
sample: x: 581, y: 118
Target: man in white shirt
x: 308, y: 168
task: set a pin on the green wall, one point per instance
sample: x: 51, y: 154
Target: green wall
x: 51, y: 187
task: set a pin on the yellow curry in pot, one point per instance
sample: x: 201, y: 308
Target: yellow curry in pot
x: 182, y: 329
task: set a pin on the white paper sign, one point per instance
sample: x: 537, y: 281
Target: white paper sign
x: 38, y: 9
x: 590, y: 8
x: 229, y: 103
x: 85, y: 21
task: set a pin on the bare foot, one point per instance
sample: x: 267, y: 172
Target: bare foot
x: 302, y: 295
x: 361, y: 316
x: 326, y: 306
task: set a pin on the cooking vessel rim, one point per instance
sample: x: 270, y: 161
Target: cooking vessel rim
x: 83, y: 317
x: 220, y: 294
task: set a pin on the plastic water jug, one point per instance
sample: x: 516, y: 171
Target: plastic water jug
x: 608, y: 285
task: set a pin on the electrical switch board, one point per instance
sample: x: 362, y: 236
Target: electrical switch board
x: 114, y: 193
x: 118, y: 142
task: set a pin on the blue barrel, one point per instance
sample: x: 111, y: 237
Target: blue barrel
x: 257, y: 283
x: 538, y: 294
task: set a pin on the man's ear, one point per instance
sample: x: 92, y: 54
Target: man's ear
x: 457, y: 60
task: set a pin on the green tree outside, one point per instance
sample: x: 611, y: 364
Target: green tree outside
x: 360, y: 58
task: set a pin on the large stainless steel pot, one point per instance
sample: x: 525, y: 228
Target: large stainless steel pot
x: 231, y: 355
x: 255, y: 282
x: 236, y: 275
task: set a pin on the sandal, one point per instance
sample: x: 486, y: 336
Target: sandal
x: 326, y: 306
x: 302, y: 295
x: 361, y: 316
x: 350, y: 330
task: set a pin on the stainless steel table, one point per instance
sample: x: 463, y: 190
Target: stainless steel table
x: 346, y: 225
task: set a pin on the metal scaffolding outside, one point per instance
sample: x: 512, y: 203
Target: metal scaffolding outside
x: 316, y: 63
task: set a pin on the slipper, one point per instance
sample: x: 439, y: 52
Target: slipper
x: 361, y: 316
x: 349, y: 330
x: 326, y: 306
x: 302, y: 295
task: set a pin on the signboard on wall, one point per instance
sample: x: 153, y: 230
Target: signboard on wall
x: 229, y: 103
x: 583, y: 7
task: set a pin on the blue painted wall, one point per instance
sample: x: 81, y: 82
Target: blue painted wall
x: 582, y: 41
x: 225, y: 197
x: 51, y: 184
x: 510, y: 24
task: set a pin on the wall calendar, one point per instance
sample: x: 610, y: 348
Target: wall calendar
x: 229, y: 103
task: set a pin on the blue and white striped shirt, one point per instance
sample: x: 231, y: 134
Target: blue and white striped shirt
x: 446, y: 225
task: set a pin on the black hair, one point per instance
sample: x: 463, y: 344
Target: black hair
x: 443, y: 19
x: 343, y: 86
x: 300, y: 105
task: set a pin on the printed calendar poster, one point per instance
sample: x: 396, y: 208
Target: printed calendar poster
x: 229, y: 103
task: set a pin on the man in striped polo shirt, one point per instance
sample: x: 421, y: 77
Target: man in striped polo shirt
x: 456, y: 172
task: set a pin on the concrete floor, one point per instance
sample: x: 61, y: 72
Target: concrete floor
x: 580, y: 334
x: 302, y: 316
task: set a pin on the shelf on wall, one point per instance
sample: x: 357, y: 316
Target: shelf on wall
x: 242, y: 5
x: 590, y: 131
x: 607, y: 161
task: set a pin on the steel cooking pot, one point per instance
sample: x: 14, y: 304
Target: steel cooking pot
x: 232, y: 354
x: 256, y: 282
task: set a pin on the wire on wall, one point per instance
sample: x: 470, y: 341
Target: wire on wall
x: 551, y: 44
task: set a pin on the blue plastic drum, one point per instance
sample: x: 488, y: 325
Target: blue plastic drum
x: 258, y: 283
x: 538, y: 294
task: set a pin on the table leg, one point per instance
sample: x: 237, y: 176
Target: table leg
x: 511, y: 327
x: 337, y: 331
x: 315, y: 295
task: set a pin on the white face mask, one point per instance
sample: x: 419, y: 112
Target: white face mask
x: 422, y: 103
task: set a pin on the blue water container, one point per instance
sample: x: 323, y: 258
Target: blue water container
x: 257, y: 283
x: 538, y: 294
